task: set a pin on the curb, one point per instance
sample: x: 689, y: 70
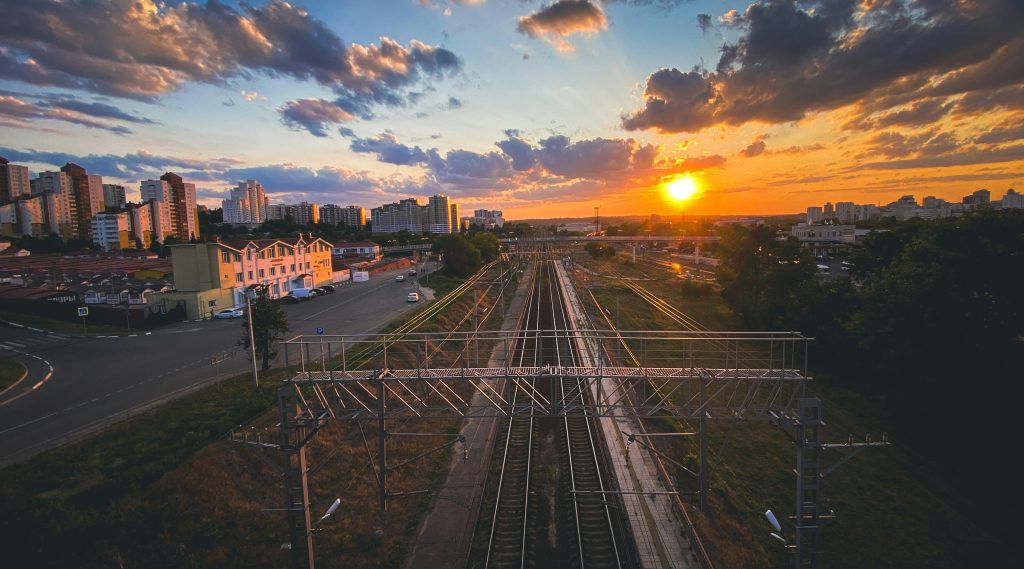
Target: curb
x: 78, y: 336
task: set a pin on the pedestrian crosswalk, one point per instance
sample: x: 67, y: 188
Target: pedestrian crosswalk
x: 31, y: 343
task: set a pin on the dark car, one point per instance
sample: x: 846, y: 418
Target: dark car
x: 319, y: 291
x: 288, y: 299
x: 329, y: 289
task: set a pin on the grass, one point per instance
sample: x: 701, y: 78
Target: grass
x: 61, y: 326
x: 167, y: 489
x: 893, y: 509
x: 10, y: 372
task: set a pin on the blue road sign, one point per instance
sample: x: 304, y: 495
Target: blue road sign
x: 319, y: 331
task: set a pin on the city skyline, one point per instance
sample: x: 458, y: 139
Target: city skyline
x: 536, y: 109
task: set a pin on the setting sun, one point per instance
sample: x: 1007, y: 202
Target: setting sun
x: 682, y: 189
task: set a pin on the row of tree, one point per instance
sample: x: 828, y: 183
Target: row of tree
x: 931, y: 322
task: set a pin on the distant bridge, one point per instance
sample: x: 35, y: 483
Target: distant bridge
x: 615, y: 239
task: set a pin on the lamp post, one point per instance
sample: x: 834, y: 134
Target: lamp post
x: 249, y: 292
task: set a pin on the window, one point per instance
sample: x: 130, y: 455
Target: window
x: 226, y: 257
x: 239, y: 277
x: 293, y: 267
x: 261, y: 273
x: 248, y: 254
x: 273, y: 271
x: 250, y: 275
x: 270, y: 252
x: 307, y: 265
x: 212, y: 303
x: 280, y: 250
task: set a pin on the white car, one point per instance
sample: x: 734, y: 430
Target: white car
x: 230, y: 313
x: 400, y: 278
x: 413, y: 297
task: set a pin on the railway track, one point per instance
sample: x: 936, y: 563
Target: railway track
x: 551, y: 515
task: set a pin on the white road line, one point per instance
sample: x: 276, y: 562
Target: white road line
x: 27, y: 423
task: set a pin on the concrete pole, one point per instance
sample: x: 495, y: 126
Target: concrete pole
x: 252, y: 341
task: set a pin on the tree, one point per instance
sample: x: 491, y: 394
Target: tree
x: 269, y: 325
x: 487, y: 244
x: 764, y: 279
x: 461, y: 257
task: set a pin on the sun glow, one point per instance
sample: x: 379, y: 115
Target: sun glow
x: 682, y: 189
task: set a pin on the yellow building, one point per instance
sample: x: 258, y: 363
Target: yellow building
x: 213, y: 276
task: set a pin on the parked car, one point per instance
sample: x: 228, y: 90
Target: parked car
x: 288, y: 299
x: 412, y: 272
x: 413, y: 297
x: 400, y: 278
x: 329, y: 289
x: 230, y: 313
x: 320, y: 291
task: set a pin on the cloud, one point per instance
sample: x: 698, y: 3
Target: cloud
x: 755, y: 148
x: 140, y: 164
x: 122, y: 48
x: 249, y: 95
x: 313, y: 115
x: 704, y: 22
x: 561, y: 19
x: 795, y: 58
x: 387, y: 149
x: 19, y: 111
x: 452, y: 104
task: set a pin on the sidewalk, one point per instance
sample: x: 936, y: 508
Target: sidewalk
x: 446, y: 534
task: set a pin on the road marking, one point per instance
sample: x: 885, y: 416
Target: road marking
x: 27, y: 423
x: 347, y: 300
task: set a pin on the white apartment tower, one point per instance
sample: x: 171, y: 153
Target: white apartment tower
x: 248, y: 203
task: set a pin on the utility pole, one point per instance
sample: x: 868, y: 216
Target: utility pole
x: 252, y: 340
x: 597, y: 221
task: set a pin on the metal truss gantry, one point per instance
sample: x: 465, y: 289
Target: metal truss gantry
x: 682, y: 375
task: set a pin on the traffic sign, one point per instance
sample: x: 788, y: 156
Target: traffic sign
x: 319, y: 331
x: 83, y: 311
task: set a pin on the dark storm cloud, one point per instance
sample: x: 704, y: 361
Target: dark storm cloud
x: 797, y: 57
x: 118, y: 47
x: 558, y: 20
x: 519, y: 150
x: 919, y: 113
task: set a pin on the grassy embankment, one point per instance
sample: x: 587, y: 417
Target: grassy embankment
x: 10, y: 372
x: 892, y: 508
x: 167, y: 489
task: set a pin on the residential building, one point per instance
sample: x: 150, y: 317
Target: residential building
x: 179, y: 198
x: 212, y: 276
x: 276, y: 211
x: 405, y: 215
x: 61, y: 218
x: 184, y: 217
x: 114, y: 196
x: 111, y: 231
x: 247, y: 204
x: 846, y: 212
x: 439, y: 213
x: 14, y: 182
x: 9, y: 221
x: 86, y: 198
x: 140, y: 221
x: 31, y: 215
x: 489, y: 219
x: 825, y: 239
x: 304, y: 213
x: 453, y: 218
x: 1012, y: 200
x: 814, y: 215
x: 829, y: 211
x: 350, y: 216
x: 980, y: 198
x: 867, y: 212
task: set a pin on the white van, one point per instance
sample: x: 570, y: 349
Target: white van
x: 303, y: 293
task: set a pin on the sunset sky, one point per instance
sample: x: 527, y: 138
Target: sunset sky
x: 540, y: 109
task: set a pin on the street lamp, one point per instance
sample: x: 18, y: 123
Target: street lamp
x: 250, y: 292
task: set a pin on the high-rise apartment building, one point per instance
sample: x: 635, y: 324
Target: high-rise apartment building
x: 111, y: 231
x: 179, y: 198
x: 248, y: 203
x: 14, y: 182
x: 405, y: 215
x: 304, y: 213
x: 814, y: 215
x: 846, y: 211
x: 114, y: 196
x: 439, y: 212
x: 351, y: 216
x: 453, y: 217
x: 86, y: 198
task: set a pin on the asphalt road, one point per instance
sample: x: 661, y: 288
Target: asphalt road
x: 97, y: 380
